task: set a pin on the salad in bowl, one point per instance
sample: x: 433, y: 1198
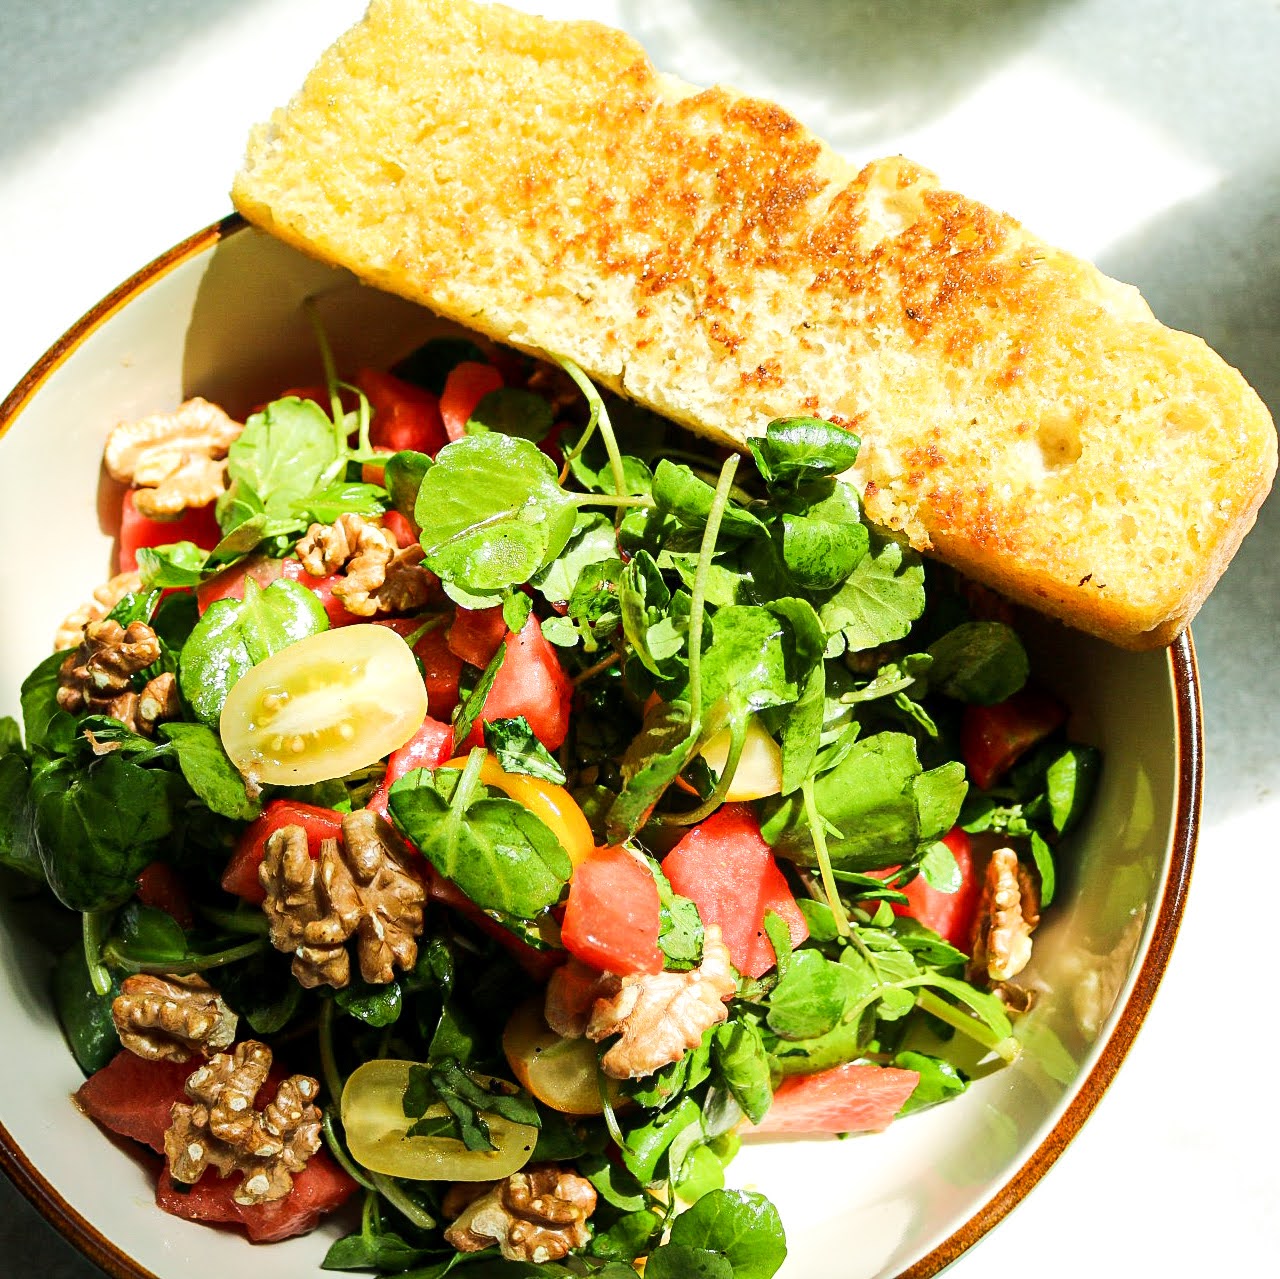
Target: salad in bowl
x: 482, y: 809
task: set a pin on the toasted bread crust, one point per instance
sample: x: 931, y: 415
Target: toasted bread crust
x: 1022, y: 415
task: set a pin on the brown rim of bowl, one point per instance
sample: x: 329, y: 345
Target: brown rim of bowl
x: 1186, y: 682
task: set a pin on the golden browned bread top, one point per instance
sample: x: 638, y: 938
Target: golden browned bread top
x: 1022, y: 415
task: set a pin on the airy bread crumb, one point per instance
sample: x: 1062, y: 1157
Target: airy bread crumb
x: 1023, y: 416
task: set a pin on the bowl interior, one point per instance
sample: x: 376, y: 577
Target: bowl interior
x: 222, y: 316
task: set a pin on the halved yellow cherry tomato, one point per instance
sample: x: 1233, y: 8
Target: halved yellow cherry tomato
x: 324, y: 707
x: 759, y: 771
x: 552, y: 804
x: 375, y: 1124
x: 560, y: 1073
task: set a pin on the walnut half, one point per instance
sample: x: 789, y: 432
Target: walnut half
x: 378, y: 577
x: 222, y: 1129
x: 364, y: 886
x: 1008, y: 912
x: 98, y: 676
x: 171, y: 1018
x: 538, y: 1214
x: 657, y: 1016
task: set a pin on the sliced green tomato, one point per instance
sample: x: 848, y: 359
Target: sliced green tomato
x: 759, y: 771
x: 375, y: 1124
x: 324, y: 707
x: 560, y: 1073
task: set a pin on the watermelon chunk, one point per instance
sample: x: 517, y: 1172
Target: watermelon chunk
x: 848, y: 1098
x: 318, y: 1189
x: 134, y: 1098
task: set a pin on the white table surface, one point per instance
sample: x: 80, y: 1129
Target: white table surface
x: 1140, y: 132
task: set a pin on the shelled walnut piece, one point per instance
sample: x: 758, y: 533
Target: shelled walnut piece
x: 1008, y: 913
x: 364, y: 886
x: 105, y: 598
x: 658, y: 1016
x: 378, y: 577
x: 172, y: 1018
x: 224, y: 1130
x: 538, y: 1214
x: 97, y: 677
x: 174, y: 460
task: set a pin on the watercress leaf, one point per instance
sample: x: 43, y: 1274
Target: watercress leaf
x: 798, y: 450
x: 470, y: 709
x: 1069, y: 783
x: 430, y: 365
x: 468, y: 1100
x: 385, y: 1252
x: 811, y: 998
x: 43, y: 721
x: 493, y: 512
x: 979, y: 662
x: 615, y: 1185
x: 985, y: 1005
x: 867, y: 801
x: 513, y: 742
x: 680, y: 932
x: 748, y: 659
x: 647, y: 617
x: 560, y: 631
x: 239, y: 538
x: 402, y: 477
x: 328, y: 504
x: 647, y: 1142
x: 741, y: 1225
x: 593, y: 541
x: 97, y: 827
x: 939, y: 795
x: 939, y: 1080
x: 801, y: 730
x: 649, y: 765
x: 145, y: 935
x: 628, y: 1238
x: 213, y: 778
x: 678, y: 492
x: 925, y: 946
x: 879, y: 600
x: 10, y: 735
x: 1042, y: 855
x: 469, y: 599
x: 742, y: 1065
x: 137, y: 606
x: 178, y: 564
x: 283, y: 455
x: 679, y: 1261
x: 375, y: 1005
x: 85, y: 1015
x: 262, y: 990
x: 512, y: 411
x: 515, y: 611
x: 819, y: 918
x: 501, y: 855
x: 235, y: 635
x: 939, y: 868
x: 819, y: 536
x: 17, y: 850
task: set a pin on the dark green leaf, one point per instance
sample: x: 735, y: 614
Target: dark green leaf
x: 1042, y: 855
x: 1070, y: 781
x: 681, y: 494
x: 178, y: 564
x: 85, y: 1015
x: 96, y: 828
x: 799, y: 450
x: 743, y: 1226
x: 402, y: 476
x: 678, y: 1261
x: 374, y: 1005
x: 211, y: 775
x: 940, y: 870
x: 513, y: 742
x: 144, y: 935
x: 501, y: 855
x: 812, y: 998
x: 385, y: 1252
x: 939, y: 1080
x: 979, y: 662
x: 628, y: 1238
x: 283, y: 455
x: 614, y: 1184
x: 879, y: 600
x: 512, y: 411
x: 593, y: 541
x: 235, y: 635
x: 137, y: 606
x: 470, y: 709
x: 651, y: 763
x: 43, y: 721
x: 743, y: 1066
x: 648, y: 1142
x: 493, y: 512
x: 17, y: 849
x: 329, y: 504
x: 515, y: 611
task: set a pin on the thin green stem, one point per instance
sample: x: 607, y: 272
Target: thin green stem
x: 93, y: 926
x: 697, y: 606
x: 254, y: 923
x: 333, y: 1079
x: 818, y: 833
x: 330, y: 372
x: 606, y: 1109
x: 338, y: 1151
x: 600, y: 417
x: 396, y: 1197
x: 690, y: 817
x: 1006, y: 1047
x: 188, y: 963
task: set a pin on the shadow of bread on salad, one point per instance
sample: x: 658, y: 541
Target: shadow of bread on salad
x: 478, y: 793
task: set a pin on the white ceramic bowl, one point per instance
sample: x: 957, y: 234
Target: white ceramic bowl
x: 220, y: 316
